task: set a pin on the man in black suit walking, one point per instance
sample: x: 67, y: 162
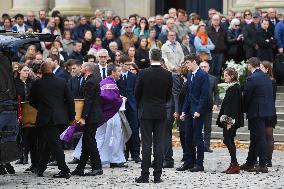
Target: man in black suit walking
x: 152, y: 92
x: 77, y: 80
x: 51, y: 97
x: 57, y: 69
x: 258, y: 103
x: 92, y: 118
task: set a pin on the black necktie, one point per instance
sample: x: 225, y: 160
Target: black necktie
x: 192, y: 77
x: 124, y: 77
x: 104, y: 73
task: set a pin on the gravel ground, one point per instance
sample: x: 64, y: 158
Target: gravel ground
x: 215, y: 163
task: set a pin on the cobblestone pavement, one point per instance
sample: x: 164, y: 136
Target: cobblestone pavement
x: 120, y: 178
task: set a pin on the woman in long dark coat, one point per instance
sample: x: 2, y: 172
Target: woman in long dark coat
x: 231, y: 116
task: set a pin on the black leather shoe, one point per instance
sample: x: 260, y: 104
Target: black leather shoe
x: 53, y: 163
x: 9, y: 168
x: 2, y: 170
x: 39, y: 174
x: 118, y: 165
x: 184, y: 167
x: 20, y: 161
x: 25, y: 160
x: 30, y: 169
x: 259, y: 169
x: 62, y: 174
x: 158, y: 180
x: 168, y: 164
x: 269, y: 163
x: 74, y: 161
x: 79, y: 172
x: 142, y: 180
x: 137, y: 160
x: 197, y: 168
x: 246, y: 167
x: 209, y: 150
x: 95, y: 172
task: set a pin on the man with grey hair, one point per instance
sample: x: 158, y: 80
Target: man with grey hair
x: 102, y: 65
x: 92, y: 118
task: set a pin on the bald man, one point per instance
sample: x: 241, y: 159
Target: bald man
x: 51, y: 97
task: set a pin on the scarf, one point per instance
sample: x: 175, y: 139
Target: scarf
x: 203, y: 37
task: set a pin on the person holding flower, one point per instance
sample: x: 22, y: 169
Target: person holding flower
x: 231, y: 116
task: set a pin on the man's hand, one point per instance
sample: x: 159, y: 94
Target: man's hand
x: 229, y: 126
x: 182, y: 117
x: 81, y: 122
x: 280, y: 50
x: 176, y: 115
x: 196, y: 115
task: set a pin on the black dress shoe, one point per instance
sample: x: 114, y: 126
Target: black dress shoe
x: 246, y: 167
x: 74, y: 161
x: 142, y: 180
x: 197, y: 168
x: 95, y: 172
x: 119, y: 165
x: 209, y: 150
x: 158, y: 180
x: 259, y: 169
x: 79, y: 172
x: 269, y: 163
x: 62, y: 174
x: 39, y: 174
x: 9, y: 168
x: 20, y: 161
x: 53, y: 163
x: 137, y: 160
x: 168, y: 164
x: 31, y: 168
x: 2, y: 170
x: 184, y: 167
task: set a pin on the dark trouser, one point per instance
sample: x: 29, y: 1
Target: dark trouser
x: 133, y: 144
x: 216, y: 64
x: 168, y: 153
x: 182, y: 132
x: 49, y: 143
x: 157, y: 127
x: 207, y: 129
x: 89, y: 148
x: 229, y: 136
x: 33, y: 145
x: 257, y: 141
x: 194, y: 138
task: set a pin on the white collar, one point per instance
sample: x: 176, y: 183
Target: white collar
x: 194, y: 72
x: 155, y: 64
x: 254, y: 70
x: 55, y: 69
x: 100, y: 66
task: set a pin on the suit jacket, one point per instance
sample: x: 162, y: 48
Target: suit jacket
x: 53, y: 100
x: 62, y: 73
x: 197, y: 96
x: 126, y: 88
x: 258, y: 96
x: 213, y: 91
x: 152, y: 92
x: 232, y: 106
x: 177, y: 85
x: 92, y: 110
x: 75, y: 87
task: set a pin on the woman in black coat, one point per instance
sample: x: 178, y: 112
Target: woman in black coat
x: 231, y: 116
x: 235, y: 41
x: 142, y: 55
x: 270, y: 123
x: 265, y: 41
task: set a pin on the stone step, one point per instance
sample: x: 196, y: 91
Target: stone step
x: 279, y: 108
x: 280, y: 115
x: 277, y: 130
x: 279, y: 96
x: 280, y: 89
x: 279, y: 103
x: 280, y: 122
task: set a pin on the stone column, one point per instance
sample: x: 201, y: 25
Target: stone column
x: 241, y: 5
x: 265, y: 4
x: 74, y: 7
x: 22, y: 6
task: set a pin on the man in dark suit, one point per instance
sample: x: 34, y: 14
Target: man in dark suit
x: 214, y: 102
x: 102, y: 65
x: 258, y: 103
x: 126, y: 85
x: 153, y: 90
x: 92, y: 118
x: 196, y: 106
x: 53, y: 100
x: 57, y: 69
x: 76, y: 82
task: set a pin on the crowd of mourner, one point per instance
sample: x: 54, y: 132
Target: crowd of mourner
x: 119, y: 49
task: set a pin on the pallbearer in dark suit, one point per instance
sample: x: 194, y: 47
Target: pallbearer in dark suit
x: 53, y: 100
x: 76, y: 82
x: 57, y: 69
x: 214, y: 101
x: 259, y: 106
x: 196, y: 106
x: 92, y: 118
x: 153, y: 90
x: 126, y: 85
